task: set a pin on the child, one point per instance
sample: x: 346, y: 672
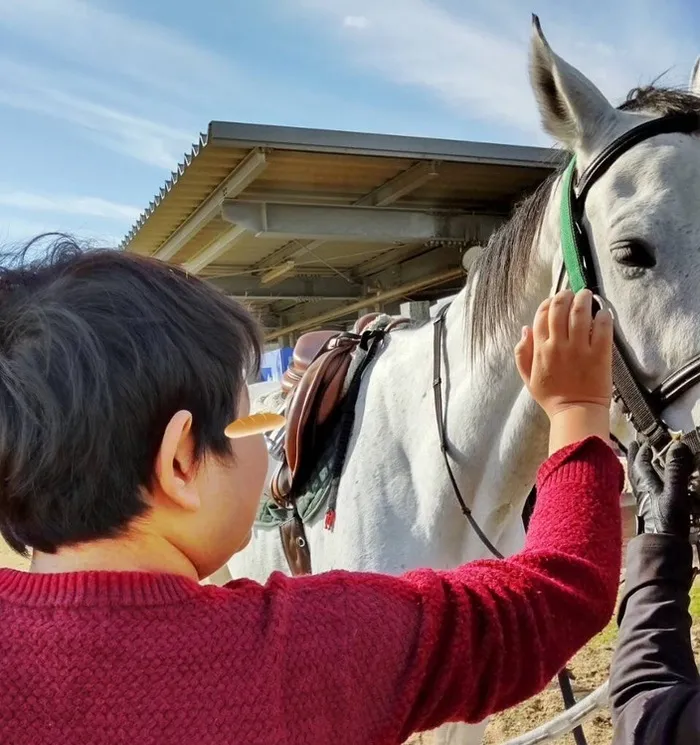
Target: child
x: 118, y: 376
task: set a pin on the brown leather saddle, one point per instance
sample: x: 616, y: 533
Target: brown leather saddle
x: 314, y: 386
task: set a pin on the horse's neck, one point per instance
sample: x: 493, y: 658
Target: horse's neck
x: 492, y: 416
x: 511, y: 430
x: 497, y: 436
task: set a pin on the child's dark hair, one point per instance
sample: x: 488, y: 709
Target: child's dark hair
x: 98, y: 350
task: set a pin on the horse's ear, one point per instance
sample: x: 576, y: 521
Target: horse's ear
x: 572, y: 109
x: 694, y: 86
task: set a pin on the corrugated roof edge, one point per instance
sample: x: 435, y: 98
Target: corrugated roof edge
x: 238, y: 134
x: 175, y: 175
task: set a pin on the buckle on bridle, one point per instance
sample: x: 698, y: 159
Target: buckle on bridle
x: 602, y: 304
x: 658, y: 460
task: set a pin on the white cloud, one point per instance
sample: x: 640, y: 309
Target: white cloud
x: 69, y: 205
x: 32, y: 89
x: 14, y: 232
x: 83, y: 32
x: 119, y: 79
x: 358, y: 22
x: 473, y: 57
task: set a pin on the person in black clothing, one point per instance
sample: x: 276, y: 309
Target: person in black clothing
x: 654, y: 682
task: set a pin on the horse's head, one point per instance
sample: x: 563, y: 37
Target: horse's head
x: 642, y: 216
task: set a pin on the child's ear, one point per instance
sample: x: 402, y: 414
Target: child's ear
x: 176, y: 465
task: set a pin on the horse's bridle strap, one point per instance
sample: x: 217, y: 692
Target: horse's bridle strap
x: 643, y: 418
x: 685, y: 123
x: 438, y: 337
x: 643, y: 407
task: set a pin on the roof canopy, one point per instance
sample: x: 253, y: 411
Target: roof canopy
x: 310, y: 226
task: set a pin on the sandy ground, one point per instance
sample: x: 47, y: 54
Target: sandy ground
x: 590, y: 667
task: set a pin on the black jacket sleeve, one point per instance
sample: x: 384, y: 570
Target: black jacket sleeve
x: 654, y: 682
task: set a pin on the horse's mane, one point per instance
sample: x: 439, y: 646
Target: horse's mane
x: 502, y: 269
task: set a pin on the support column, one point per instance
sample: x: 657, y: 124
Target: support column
x: 416, y: 311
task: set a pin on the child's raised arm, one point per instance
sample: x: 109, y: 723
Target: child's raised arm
x: 384, y: 657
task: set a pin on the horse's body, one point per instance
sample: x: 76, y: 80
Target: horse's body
x: 395, y: 508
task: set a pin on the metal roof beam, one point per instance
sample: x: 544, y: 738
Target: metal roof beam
x: 215, y: 249
x: 216, y: 269
x: 370, y: 224
x: 238, y: 180
x: 432, y: 280
x: 235, y: 134
x: 401, y: 185
x: 329, y: 288
x: 388, y: 193
x: 411, y: 269
x: 276, y: 297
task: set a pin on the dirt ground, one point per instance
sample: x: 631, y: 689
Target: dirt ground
x: 590, y: 667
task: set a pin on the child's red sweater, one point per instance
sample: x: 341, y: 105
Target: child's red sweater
x: 128, y: 658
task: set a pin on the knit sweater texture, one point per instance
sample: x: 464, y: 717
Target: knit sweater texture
x: 122, y: 658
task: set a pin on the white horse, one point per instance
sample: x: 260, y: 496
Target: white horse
x: 395, y: 509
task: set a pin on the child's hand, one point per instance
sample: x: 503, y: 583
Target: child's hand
x: 565, y: 361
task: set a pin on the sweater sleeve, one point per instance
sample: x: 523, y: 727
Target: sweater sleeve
x: 397, y: 655
x: 654, y: 682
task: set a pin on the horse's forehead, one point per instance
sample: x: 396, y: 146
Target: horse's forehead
x: 651, y: 188
x: 655, y: 167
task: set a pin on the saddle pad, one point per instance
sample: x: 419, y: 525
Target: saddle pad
x: 309, y: 504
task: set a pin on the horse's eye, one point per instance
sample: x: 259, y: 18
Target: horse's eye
x: 635, y: 254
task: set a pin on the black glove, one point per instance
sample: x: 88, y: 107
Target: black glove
x: 662, y: 506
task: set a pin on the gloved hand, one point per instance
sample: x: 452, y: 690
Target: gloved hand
x: 662, y: 506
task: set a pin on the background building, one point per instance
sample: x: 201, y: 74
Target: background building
x: 312, y: 228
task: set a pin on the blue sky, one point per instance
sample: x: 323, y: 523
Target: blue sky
x: 100, y: 98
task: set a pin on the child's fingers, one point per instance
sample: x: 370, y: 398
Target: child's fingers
x: 559, y: 315
x: 602, y: 334
x: 581, y: 318
x: 524, y: 353
x: 540, y: 326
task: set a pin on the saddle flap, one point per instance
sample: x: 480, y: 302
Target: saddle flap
x: 314, y: 400
x: 314, y: 385
x: 308, y: 347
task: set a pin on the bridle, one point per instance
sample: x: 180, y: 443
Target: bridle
x: 642, y: 407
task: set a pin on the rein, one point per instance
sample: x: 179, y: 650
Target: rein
x: 438, y: 334
x: 567, y: 691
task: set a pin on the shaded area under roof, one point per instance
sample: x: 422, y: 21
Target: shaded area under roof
x: 339, y: 215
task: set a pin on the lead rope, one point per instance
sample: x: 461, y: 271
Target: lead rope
x: 567, y: 692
